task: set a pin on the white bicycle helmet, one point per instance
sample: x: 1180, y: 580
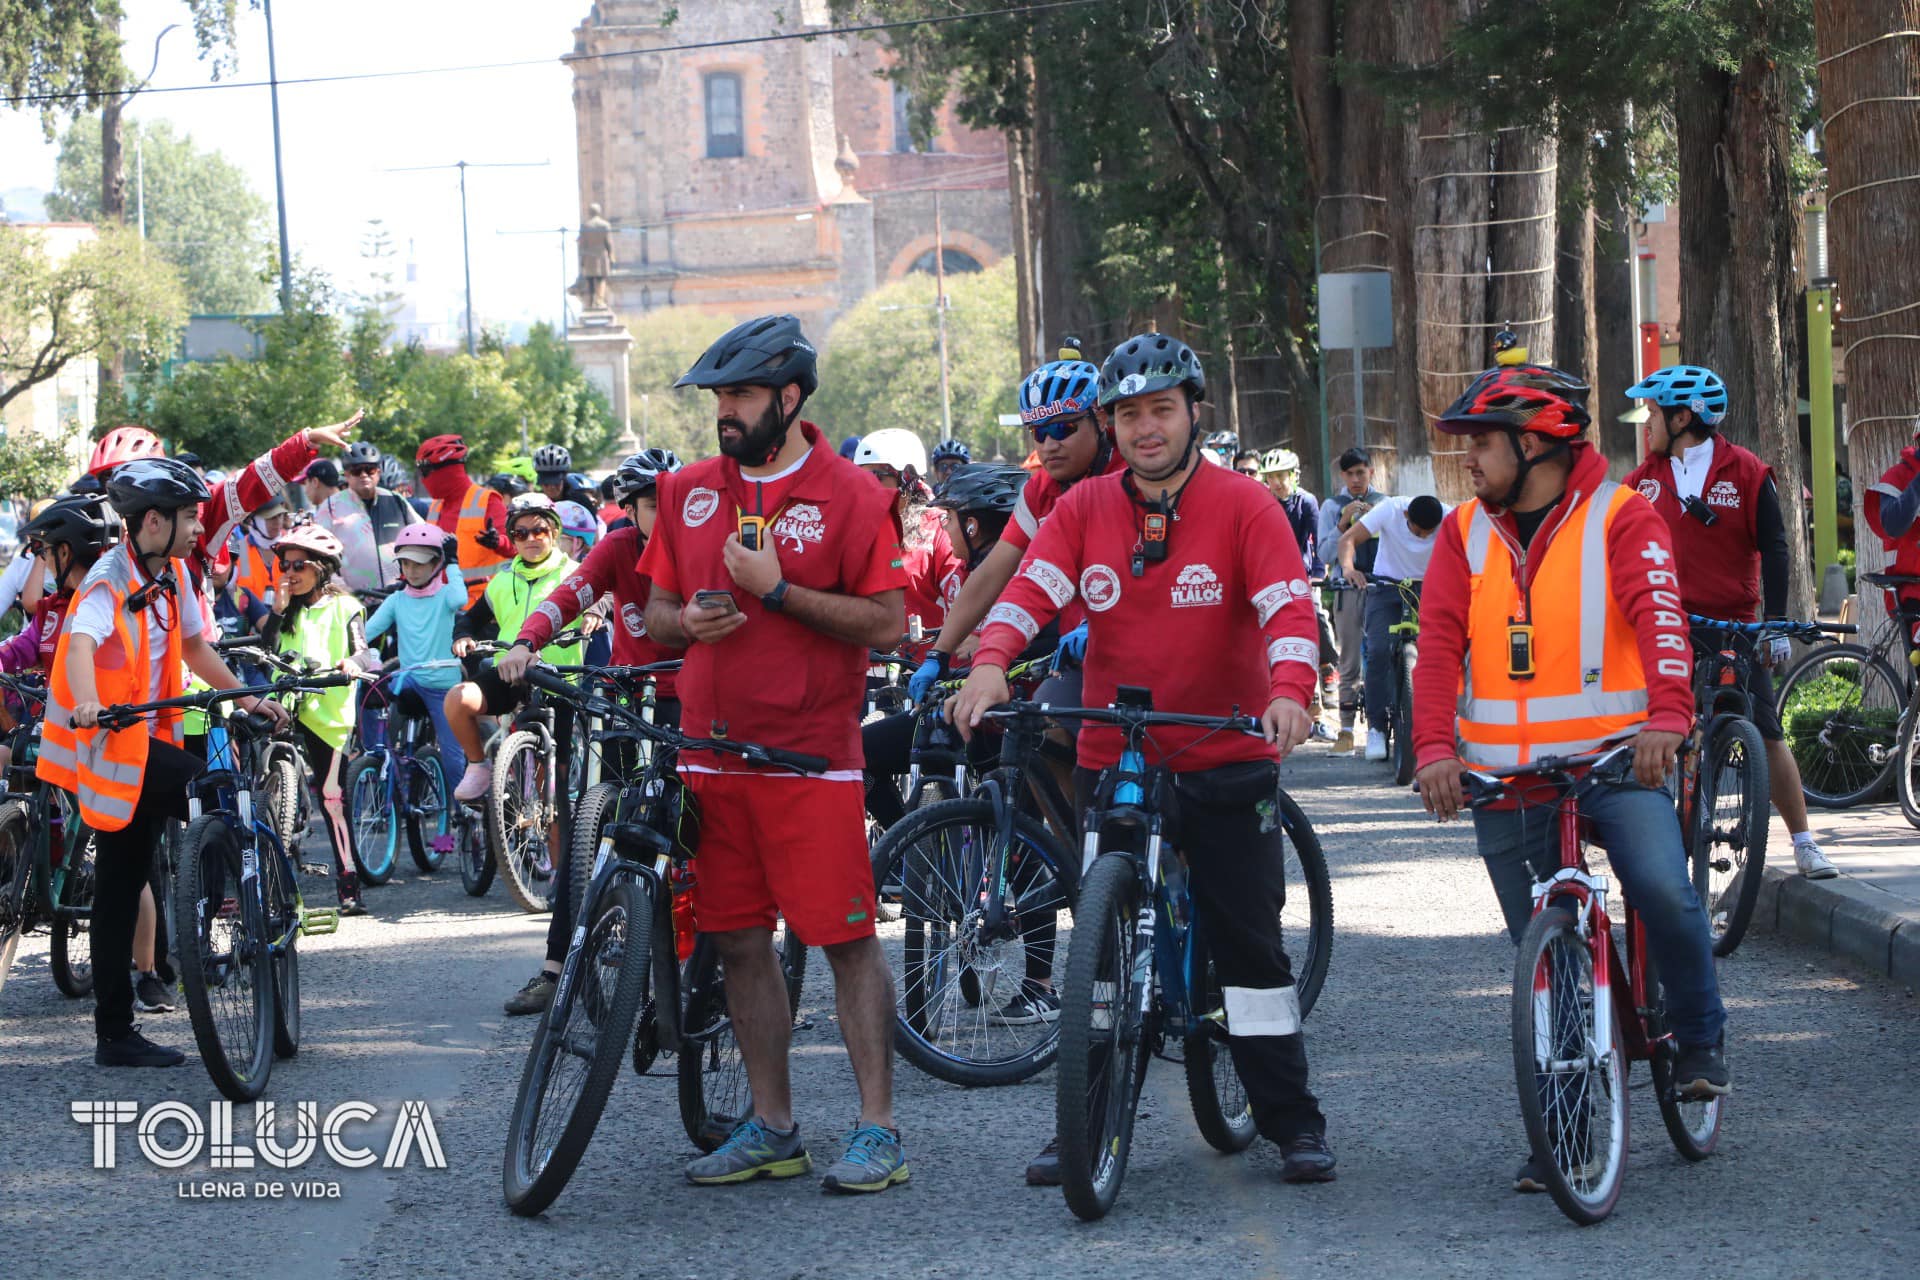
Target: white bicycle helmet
x: 894, y: 447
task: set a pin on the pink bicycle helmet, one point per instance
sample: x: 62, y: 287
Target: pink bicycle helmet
x: 312, y: 539
x: 418, y: 537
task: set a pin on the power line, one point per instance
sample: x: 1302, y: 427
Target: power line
x: 1041, y: 6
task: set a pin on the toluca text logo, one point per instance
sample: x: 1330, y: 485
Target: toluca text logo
x: 172, y: 1135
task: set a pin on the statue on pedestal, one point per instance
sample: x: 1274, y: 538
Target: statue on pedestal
x: 596, y: 261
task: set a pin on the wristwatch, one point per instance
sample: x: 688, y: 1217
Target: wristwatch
x: 776, y: 599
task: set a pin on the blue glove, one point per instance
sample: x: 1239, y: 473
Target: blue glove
x: 925, y: 675
x: 1073, y: 647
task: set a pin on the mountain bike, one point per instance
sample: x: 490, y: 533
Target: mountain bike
x: 396, y: 774
x: 283, y: 770
x: 237, y: 901
x: 1139, y: 980
x: 1584, y: 1007
x: 1840, y: 708
x: 529, y: 802
x: 1724, y: 787
x: 621, y: 942
x: 46, y: 858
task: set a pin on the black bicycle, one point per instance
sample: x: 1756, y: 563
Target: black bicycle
x: 46, y: 856
x: 623, y: 946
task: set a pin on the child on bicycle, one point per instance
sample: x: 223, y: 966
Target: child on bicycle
x: 421, y: 616
x: 318, y: 619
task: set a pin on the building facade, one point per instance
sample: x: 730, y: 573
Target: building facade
x: 777, y: 175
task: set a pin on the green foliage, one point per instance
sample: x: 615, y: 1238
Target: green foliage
x: 201, y: 214
x: 881, y: 366
x: 73, y: 47
x: 106, y: 294
x: 318, y: 367
x: 665, y: 345
x: 31, y: 470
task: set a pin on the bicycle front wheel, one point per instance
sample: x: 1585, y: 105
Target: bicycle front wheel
x: 429, y: 813
x: 1729, y: 844
x: 1840, y: 711
x: 578, y: 1049
x: 1103, y: 1047
x: 376, y: 836
x: 970, y: 1010
x: 1403, y: 720
x: 16, y: 867
x: 281, y: 794
x: 71, y: 951
x: 519, y: 816
x: 225, y: 966
x: 1306, y: 921
x: 1573, y: 1094
x: 1907, y: 773
x: 283, y: 929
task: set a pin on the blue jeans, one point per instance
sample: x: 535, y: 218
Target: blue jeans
x: 453, y: 761
x: 1641, y: 833
x: 1383, y: 610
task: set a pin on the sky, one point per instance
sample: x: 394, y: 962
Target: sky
x: 341, y: 139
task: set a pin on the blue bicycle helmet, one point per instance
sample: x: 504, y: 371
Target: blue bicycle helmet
x: 954, y: 449
x: 1058, y: 389
x: 1685, y: 386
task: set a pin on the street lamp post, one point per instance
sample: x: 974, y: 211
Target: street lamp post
x: 466, y: 257
x: 279, y: 176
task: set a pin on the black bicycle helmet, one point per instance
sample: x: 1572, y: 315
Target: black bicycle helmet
x: 982, y: 487
x: 83, y: 522
x: 640, y: 474
x: 552, y: 461
x: 1148, y: 363
x: 154, y: 484
x: 767, y: 352
x: 362, y: 453
x: 507, y: 485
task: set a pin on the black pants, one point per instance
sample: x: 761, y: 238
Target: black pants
x: 888, y: 746
x: 123, y: 865
x: 1229, y: 829
x: 666, y: 714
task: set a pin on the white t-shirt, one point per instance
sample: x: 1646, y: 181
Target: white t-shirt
x: 1401, y: 554
x: 1690, y: 467
x: 94, y: 617
x: 14, y: 580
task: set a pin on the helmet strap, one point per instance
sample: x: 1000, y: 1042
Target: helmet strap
x: 1526, y: 465
x: 1186, y: 454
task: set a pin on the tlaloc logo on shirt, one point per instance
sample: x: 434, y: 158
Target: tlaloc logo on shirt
x: 801, y: 524
x: 1197, y: 585
x: 1725, y: 493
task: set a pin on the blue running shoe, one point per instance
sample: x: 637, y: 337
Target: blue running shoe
x: 874, y: 1161
x: 752, y: 1151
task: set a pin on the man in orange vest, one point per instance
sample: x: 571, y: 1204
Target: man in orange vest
x: 1551, y: 624
x: 135, y: 620
x: 475, y: 515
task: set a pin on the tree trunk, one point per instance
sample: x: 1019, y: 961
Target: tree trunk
x: 1523, y: 208
x: 1739, y: 239
x: 1064, y: 310
x: 1575, y: 337
x: 1618, y: 359
x: 1870, y: 227
x: 1026, y: 295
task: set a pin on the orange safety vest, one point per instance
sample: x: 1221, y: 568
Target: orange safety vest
x: 1588, y: 685
x: 478, y: 563
x: 255, y: 571
x: 104, y: 768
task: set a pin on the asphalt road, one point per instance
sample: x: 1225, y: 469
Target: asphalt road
x: 1409, y: 1046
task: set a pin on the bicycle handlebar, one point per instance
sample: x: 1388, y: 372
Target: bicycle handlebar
x: 1124, y: 717
x: 121, y: 715
x: 546, y: 678
x: 1780, y: 626
x: 1483, y: 787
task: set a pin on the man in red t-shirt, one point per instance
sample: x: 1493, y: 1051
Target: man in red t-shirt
x: 1071, y: 437
x: 1730, y: 542
x: 1221, y: 618
x: 777, y: 625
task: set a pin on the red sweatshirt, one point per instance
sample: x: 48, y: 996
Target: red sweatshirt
x: 247, y: 491
x: 1640, y: 573
x: 1225, y: 622
x: 611, y: 568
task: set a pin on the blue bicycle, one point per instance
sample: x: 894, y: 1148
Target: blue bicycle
x: 397, y: 774
x: 1139, y: 981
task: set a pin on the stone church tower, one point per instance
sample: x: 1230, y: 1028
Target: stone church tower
x: 773, y: 176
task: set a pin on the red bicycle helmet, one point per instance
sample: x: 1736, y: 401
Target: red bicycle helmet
x: 1526, y: 397
x: 123, y: 444
x: 437, y: 451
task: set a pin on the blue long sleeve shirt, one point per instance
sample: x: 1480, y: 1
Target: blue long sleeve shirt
x: 423, y: 626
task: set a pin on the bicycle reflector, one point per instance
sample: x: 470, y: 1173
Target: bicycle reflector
x: 1729, y: 676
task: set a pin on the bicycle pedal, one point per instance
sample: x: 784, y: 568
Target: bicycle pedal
x: 319, y: 920
x: 319, y: 869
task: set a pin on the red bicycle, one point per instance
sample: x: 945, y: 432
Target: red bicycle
x: 1573, y: 1041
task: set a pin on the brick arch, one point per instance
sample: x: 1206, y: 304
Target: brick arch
x: 971, y: 245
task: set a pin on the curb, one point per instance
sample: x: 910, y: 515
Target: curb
x: 1865, y: 926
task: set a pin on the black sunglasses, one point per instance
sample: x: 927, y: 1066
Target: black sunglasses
x: 291, y: 565
x: 368, y: 469
x: 525, y: 531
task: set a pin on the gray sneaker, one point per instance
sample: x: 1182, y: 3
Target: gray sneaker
x: 752, y: 1151
x: 874, y: 1161
x: 535, y: 996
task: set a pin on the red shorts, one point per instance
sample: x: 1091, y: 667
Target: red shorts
x: 772, y: 843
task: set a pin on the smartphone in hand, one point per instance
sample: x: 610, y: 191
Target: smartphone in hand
x: 716, y: 600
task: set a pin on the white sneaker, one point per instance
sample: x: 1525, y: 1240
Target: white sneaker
x: 1376, y: 745
x: 475, y: 782
x: 1812, y: 863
